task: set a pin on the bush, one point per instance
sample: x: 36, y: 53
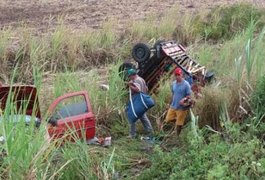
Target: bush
x: 217, y: 159
x: 225, y: 22
x: 208, y: 108
x: 258, y: 99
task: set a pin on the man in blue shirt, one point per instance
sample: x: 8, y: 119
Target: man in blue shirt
x: 180, y: 101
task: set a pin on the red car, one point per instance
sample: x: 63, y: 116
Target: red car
x: 70, y: 115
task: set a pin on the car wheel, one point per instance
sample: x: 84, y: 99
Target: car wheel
x: 141, y: 52
x: 123, y: 70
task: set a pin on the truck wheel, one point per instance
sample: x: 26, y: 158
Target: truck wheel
x: 141, y: 52
x: 123, y: 70
x: 157, y: 47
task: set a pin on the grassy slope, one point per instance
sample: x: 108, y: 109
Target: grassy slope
x: 237, y: 58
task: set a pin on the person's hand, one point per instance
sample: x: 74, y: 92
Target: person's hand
x: 130, y: 83
x: 185, y: 102
x: 181, y: 102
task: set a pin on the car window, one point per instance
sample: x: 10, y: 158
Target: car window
x: 69, y: 107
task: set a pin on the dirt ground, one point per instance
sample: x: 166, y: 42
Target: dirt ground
x: 43, y: 15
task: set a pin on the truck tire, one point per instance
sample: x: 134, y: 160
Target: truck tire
x: 141, y: 52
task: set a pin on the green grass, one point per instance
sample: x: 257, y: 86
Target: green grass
x: 25, y: 153
x: 225, y: 22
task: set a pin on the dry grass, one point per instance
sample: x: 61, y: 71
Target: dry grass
x: 209, y: 107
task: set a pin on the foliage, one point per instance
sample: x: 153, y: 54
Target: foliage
x: 225, y: 22
x: 208, y: 108
x: 188, y: 31
x: 258, y: 100
x: 216, y: 159
x: 25, y: 153
x: 86, y: 162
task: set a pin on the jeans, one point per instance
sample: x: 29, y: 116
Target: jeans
x: 146, y: 123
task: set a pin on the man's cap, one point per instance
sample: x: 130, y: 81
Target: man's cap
x: 178, y: 71
x: 132, y: 72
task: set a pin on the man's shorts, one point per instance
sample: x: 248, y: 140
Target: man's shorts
x: 176, y: 115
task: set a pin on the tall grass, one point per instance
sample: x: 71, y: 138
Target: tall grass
x: 156, y: 28
x: 225, y: 22
x: 187, y: 31
x: 86, y: 162
x: 5, y: 34
x: 258, y: 57
x: 144, y: 30
x: 236, y: 65
x: 168, y: 23
x: 27, y: 153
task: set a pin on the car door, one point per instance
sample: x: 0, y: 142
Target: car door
x: 71, y: 117
x: 23, y: 99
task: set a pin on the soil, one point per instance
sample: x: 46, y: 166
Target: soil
x: 43, y: 15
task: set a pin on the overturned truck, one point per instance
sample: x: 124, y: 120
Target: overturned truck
x: 156, y: 62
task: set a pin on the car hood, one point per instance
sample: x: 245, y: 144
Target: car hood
x: 23, y: 99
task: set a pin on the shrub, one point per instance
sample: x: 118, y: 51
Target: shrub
x: 215, y: 160
x: 258, y: 98
x: 208, y: 108
x: 258, y: 101
x: 225, y: 22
